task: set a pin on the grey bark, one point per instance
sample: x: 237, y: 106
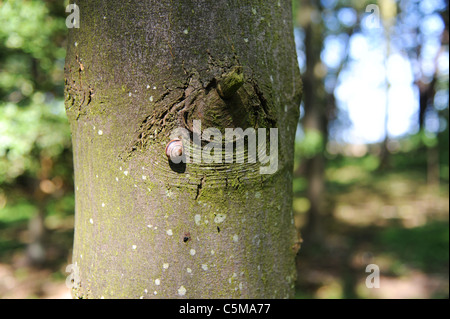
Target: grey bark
x: 144, y: 228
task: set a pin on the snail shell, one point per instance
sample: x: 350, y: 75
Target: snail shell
x: 174, y: 149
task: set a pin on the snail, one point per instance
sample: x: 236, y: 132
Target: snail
x: 174, y: 150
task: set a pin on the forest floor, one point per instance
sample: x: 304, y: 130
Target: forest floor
x: 392, y: 219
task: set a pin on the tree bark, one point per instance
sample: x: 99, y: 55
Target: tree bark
x: 145, y: 228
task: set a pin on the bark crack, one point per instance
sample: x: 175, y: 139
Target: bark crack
x: 225, y: 100
x: 78, y: 95
x: 199, y: 187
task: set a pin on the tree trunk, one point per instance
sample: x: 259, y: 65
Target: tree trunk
x: 145, y: 227
x: 315, y: 121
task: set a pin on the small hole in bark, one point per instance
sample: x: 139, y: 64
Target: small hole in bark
x: 218, y: 229
x: 187, y: 237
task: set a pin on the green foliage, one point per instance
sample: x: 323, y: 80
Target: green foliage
x: 35, y: 141
x: 21, y: 211
x: 425, y: 247
x: 311, y: 144
x: 28, y: 28
x: 28, y: 131
x: 33, y: 123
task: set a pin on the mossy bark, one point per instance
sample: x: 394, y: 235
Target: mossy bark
x: 144, y: 229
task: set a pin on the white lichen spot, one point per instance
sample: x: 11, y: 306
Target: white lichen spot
x: 192, y: 252
x: 197, y: 219
x: 168, y: 193
x: 103, y: 204
x: 219, y: 218
x: 134, y: 247
x: 100, y: 132
x: 144, y: 177
x: 182, y: 291
x: 155, y: 228
x: 155, y: 292
x: 259, y: 267
x: 149, y: 226
x: 125, y: 172
x: 154, y: 88
x: 245, y: 40
x: 141, y: 297
x: 285, y: 108
x: 253, y: 10
x: 104, y: 17
x: 117, y: 179
x: 96, y: 176
x: 148, y: 86
x: 271, y: 78
x: 256, y: 241
x: 129, y: 94
x: 212, y: 252
x: 165, y: 265
x: 257, y: 195
x: 157, y: 282
x: 145, y: 290
x: 235, y: 238
x: 189, y: 270
x: 120, y: 168
x: 76, y: 44
x: 205, y: 267
x: 185, y: 31
x: 279, y: 4
x: 102, y: 297
x: 151, y: 98
x: 91, y: 220
x: 169, y: 232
